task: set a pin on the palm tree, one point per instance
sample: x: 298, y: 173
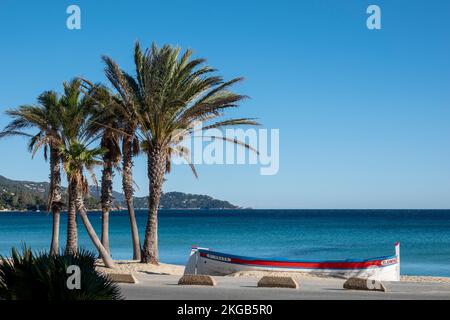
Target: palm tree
x: 106, y: 124
x: 73, y: 115
x: 77, y: 158
x: 130, y: 149
x: 44, y: 118
x: 129, y: 119
x: 169, y: 96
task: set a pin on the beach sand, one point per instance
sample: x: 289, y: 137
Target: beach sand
x: 133, y: 267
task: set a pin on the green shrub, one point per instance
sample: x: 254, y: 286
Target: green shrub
x: 29, y: 276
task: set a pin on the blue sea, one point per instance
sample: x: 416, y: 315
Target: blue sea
x: 297, y: 234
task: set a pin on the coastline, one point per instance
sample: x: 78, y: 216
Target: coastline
x: 135, y: 267
x: 125, y: 209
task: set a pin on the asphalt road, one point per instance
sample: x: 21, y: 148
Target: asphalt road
x: 165, y: 287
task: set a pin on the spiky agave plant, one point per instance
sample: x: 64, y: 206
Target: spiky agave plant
x: 42, y: 276
x: 169, y: 96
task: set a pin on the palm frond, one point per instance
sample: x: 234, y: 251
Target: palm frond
x: 169, y: 94
x: 234, y: 141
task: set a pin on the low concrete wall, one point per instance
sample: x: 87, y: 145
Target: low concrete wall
x: 122, y: 277
x: 277, y: 282
x: 364, y: 284
x: 197, y: 280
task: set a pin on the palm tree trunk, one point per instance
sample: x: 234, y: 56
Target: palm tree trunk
x: 106, y: 200
x: 107, y: 260
x: 127, y: 184
x: 72, y: 231
x: 105, y: 230
x: 55, y: 198
x: 156, y: 169
x: 54, y: 246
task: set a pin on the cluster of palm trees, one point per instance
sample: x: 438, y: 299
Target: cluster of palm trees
x: 90, y: 125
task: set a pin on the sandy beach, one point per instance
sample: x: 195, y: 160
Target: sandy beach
x: 134, y: 267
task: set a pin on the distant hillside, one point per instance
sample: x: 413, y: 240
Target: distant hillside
x: 27, y: 195
x: 180, y: 200
x: 22, y: 195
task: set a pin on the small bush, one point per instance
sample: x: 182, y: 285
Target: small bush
x: 28, y: 276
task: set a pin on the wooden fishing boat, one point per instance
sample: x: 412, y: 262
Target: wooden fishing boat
x: 206, y: 261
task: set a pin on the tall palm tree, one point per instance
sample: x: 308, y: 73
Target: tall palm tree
x: 170, y: 95
x: 105, y: 123
x: 77, y: 157
x: 74, y: 112
x: 44, y: 118
x: 129, y: 119
x: 130, y: 149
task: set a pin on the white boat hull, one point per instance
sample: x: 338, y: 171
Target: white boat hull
x: 205, y: 261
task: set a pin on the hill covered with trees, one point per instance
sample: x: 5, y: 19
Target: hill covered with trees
x: 28, y: 195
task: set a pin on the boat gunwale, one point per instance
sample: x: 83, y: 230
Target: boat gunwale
x: 285, y: 260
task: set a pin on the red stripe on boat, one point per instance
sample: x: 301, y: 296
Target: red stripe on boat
x: 305, y: 265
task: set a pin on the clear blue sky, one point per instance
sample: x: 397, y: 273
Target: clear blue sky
x: 364, y: 116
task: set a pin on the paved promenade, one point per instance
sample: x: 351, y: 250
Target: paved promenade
x: 164, y: 287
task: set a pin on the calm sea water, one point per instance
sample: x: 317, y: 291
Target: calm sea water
x: 302, y: 234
